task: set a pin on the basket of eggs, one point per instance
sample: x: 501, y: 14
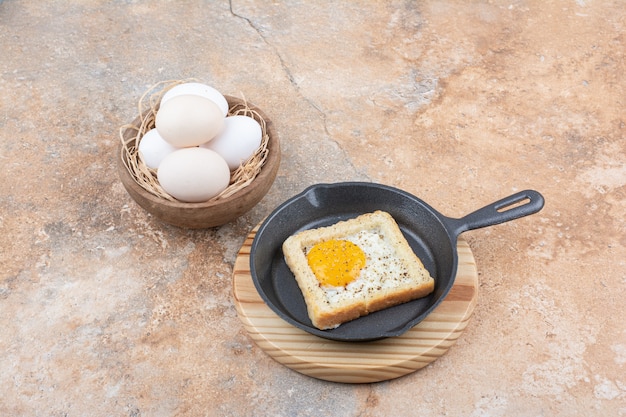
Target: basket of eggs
x: 195, y: 158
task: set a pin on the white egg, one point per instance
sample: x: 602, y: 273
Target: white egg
x: 198, y: 89
x: 193, y: 175
x: 153, y: 148
x: 238, y: 141
x: 189, y: 120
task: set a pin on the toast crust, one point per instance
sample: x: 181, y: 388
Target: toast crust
x: 383, y: 285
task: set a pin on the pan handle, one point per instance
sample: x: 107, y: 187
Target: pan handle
x: 513, y: 207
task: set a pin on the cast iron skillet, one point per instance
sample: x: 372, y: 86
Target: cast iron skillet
x: 432, y: 236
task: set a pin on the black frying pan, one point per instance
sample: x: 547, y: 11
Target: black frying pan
x: 432, y: 236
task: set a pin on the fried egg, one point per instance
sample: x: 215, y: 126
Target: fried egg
x: 357, y: 263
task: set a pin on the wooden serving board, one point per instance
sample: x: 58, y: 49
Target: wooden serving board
x: 360, y: 362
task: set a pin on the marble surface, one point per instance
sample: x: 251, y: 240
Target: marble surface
x: 105, y: 311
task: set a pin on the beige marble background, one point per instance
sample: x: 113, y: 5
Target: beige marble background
x: 104, y: 311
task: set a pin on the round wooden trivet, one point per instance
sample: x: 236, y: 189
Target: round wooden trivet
x: 356, y: 362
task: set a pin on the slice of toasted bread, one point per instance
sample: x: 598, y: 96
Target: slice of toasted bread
x: 392, y: 275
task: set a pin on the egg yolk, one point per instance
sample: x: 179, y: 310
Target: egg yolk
x: 336, y: 262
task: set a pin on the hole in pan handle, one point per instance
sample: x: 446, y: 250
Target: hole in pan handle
x: 513, y: 207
